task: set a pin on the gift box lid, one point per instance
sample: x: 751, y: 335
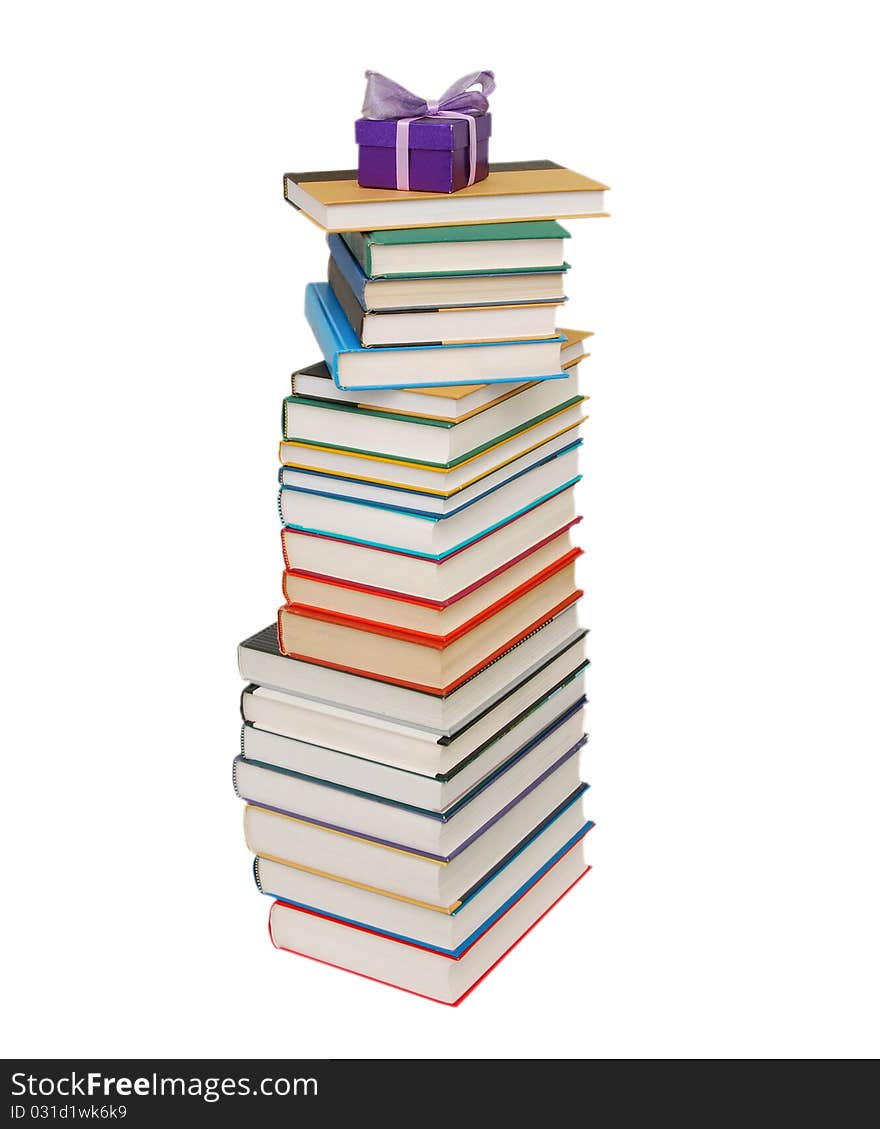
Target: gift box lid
x: 424, y: 133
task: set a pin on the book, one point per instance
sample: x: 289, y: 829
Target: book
x: 261, y: 662
x: 354, y: 366
x: 426, y: 577
x: 417, y: 968
x: 480, y: 249
x: 417, y: 659
x: 415, y: 532
x: 450, y: 403
x: 420, y: 875
x: 438, y: 617
x: 443, y: 291
x: 519, y: 190
x: 346, y: 426
x: 525, y: 470
x: 415, y: 765
x: 450, y: 326
x: 449, y: 928
x: 463, y: 756
x: 420, y: 829
x: 437, y: 477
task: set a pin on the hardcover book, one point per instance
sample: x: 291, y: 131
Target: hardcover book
x: 409, y: 764
x: 417, y: 968
x: 354, y: 366
x: 485, y: 322
x: 517, y: 190
x: 423, y: 876
x: 482, y: 249
x: 420, y: 829
x: 261, y: 662
x: 431, y: 536
x: 543, y: 435
x: 346, y: 426
x: 549, y: 467
x: 343, y: 597
x: 447, y: 928
x: 413, y: 658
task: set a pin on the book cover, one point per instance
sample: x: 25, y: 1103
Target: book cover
x: 436, y: 691
x: 451, y: 1003
x: 431, y: 856
x: 439, y: 641
x: 361, y: 243
x: 336, y: 337
x: 481, y: 883
x: 476, y: 934
x: 546, y: 191
x: 387, y: 456
x: 449, y: 813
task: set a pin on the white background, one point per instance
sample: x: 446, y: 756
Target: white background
x: 151, y: 300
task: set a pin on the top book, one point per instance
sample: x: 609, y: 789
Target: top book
x: 520, y: 190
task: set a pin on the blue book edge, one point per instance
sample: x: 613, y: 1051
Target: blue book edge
x: 335, y: 336
x: 473, y: 937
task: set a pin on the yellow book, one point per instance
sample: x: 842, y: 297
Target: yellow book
x: 519, y: 190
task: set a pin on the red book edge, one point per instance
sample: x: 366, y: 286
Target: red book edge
x: 409, y: 991
x: 391, y: 594
x: 430, y: 639
x: 286, y: 530
x: 438, y: 691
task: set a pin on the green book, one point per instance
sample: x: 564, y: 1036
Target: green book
x: 352, y: 429
x: 489, y: 248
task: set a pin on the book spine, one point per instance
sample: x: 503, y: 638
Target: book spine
x: 347, y: 299
x: 323, y: 328
x: 349, y: 268
x: 358, y: 243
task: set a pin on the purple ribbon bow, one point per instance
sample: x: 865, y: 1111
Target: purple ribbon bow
x: 386, y: 100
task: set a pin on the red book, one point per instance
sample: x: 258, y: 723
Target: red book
x: 419, y: 659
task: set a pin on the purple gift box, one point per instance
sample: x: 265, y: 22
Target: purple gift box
x: 439, y: 153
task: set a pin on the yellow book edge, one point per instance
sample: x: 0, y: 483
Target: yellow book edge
x: 362, y: 885
x: 428, y: 490
x: 337, y: 189
x: 450, y: 223
x: 467, y: 415
x: 302, y: 445
x: 335, y: 831
x: 573, y: 337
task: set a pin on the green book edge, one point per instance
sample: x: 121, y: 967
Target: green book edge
x: 465, y: 273
x: 533, y: 422
x: 470, y: 233
x: 360, y: 242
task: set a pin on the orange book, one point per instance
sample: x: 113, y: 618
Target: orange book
x: 309, y: 593
x: 419, y: 659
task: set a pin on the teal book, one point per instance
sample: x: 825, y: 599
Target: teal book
x: 355, y: 367
x: 535, y: 245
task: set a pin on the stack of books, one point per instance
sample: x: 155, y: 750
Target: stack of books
x: 412, y: 726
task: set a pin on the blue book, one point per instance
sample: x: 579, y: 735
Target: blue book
x: 425, y: 532
x: 344, y: 487
x: 349, y: 268
x: 435, y: 292
x: 355, y: 367
x: 450, y: 930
